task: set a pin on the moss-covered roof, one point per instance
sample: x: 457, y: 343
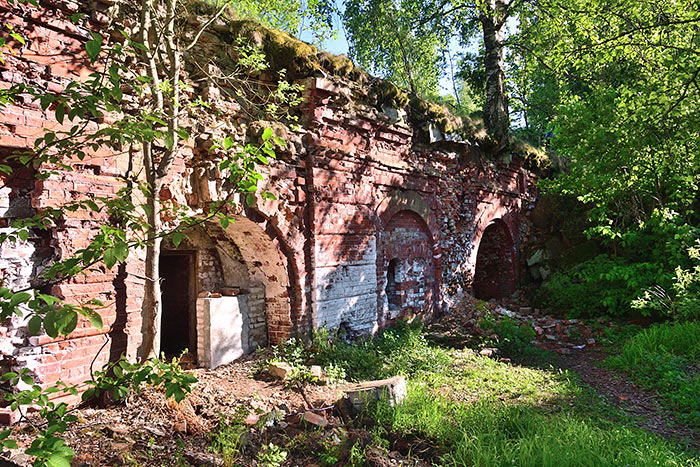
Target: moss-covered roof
x: 289, y: 53
x: 535, y: 159
x: 301, y: 60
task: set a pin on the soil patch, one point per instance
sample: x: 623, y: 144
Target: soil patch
x: 641, y: 404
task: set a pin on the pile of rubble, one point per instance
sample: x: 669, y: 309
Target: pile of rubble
x: 312, y: 424
x: 470, y: 318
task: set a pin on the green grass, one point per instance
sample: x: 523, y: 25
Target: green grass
x: 474, y: 410
x: 401, y: 350
x: 666, y: 358
x: 679, y: 339
x: 497, y: 434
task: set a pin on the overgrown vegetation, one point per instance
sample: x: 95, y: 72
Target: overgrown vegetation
x: 402, y: 350
x: 507, y: 335
x: 611, y: 92
x: 228, y: 439
x: 473, y: 410
x: 656, y: 272
x: 666, y: 358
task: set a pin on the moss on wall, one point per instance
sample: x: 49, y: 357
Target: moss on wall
x: 283, y: 51
x: 302, y: 60
x: 539, y: 160
x: 387, y: 93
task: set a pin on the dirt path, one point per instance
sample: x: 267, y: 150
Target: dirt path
x: 643, y: 405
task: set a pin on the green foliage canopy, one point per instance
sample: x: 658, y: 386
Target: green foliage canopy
x: 615, y: 84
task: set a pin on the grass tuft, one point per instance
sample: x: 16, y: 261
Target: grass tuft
x: 474, y: 410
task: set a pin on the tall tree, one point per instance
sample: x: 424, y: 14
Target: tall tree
x: 300, y: 18
x: 494, y: 14
x: 382, y: 38
x: 622, y: 79
x: 381, y: 33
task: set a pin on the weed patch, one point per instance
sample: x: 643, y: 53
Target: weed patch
x: 466, y: 409
x: 229, y: 439
x: 401, y: 350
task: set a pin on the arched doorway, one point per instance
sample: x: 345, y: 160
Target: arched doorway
x: 494, y: 275
x: 225, y: 292
x: 407, y: 277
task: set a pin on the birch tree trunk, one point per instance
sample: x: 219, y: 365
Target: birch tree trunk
x: 152, y: 290
x: 496, y: 110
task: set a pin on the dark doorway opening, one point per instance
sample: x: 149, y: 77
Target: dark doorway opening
x: 391, y: 292
x: 494, y: 276
x: 177, y: 291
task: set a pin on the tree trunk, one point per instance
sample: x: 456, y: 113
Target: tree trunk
x: 496, y: 112
x: 157, y: 171
x: 152, y: 298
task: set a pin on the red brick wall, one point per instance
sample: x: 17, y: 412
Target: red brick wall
x: 353, y: 192
x: 366, y: 171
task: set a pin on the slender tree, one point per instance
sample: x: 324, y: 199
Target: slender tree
x: 397, y: 39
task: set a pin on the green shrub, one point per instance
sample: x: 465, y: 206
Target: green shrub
x: 602, y: 285
x: 655, y: 271
x: 271, y: 455
x: 400, y: 350
x: 511, y: 338
x: 682, y: 299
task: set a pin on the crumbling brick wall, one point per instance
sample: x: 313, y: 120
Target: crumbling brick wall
x: 362, y: 183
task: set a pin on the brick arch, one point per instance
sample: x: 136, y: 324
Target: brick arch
x: 495, y: 262
x: 267, y: 261
x: 408, y: 259
x: 400, y: 200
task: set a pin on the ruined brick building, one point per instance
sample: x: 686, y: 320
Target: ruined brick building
x: 381, y: 212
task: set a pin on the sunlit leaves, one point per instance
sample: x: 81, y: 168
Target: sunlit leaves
x: 393, y: 40
x: 266, y: 134
x: 60, y: 322
x: 94, y: 46
x: 312, y: 18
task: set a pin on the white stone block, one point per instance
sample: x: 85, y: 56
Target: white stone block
x: 392, y: 390
x: 224, y: 336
